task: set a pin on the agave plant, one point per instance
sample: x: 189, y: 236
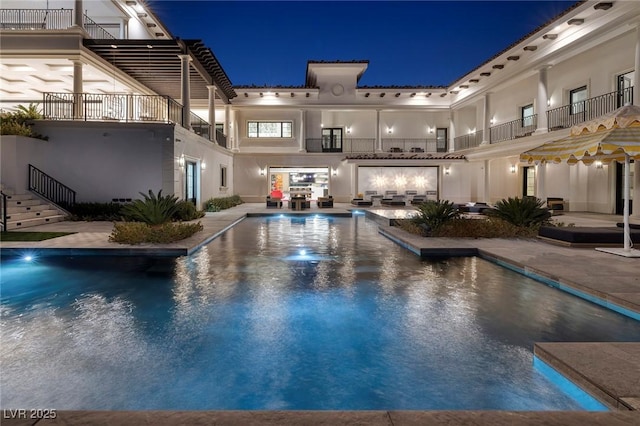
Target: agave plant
x: 525, y: 212
x: 153, y: 210
x: 433, y: 214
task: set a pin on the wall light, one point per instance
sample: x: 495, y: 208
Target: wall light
x: 263, y: 172
x: 334, y: 172
x: 599, y: 164
x: 492, y: 121
x: 348, y: 130
x: 430, y: 129
x: 512, y: 168
x: 389, y: 130
x: 548, y: 102
x: 203, y: 165
x: 447, y: 170
x: 181, y: 160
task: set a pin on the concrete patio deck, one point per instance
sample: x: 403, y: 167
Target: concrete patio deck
x: 611, y: 371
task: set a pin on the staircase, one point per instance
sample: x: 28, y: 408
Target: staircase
x: 26, y: 210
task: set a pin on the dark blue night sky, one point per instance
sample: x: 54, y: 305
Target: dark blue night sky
x: 416, y: 43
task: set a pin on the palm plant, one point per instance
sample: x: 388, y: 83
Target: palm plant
x: 153, y: 210
x: 433, y: 214
x: 524, y: 212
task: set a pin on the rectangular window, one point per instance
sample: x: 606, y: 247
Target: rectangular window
x: 526, y: 114
x: 270, y: 129
x: 577, y: 98
x: 223, y: 176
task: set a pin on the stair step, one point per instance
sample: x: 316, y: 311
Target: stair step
x: 34, y: 222
x: 19, y: 197
x: 18, y: 203
x: 31, y: 214
x: 7, y: 191
x: 25, y: 209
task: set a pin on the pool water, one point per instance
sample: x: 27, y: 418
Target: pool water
x: 286, y: 313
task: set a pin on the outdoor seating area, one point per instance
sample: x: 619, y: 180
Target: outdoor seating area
x: 555, y: 205
x: 361, y: 202
x: 577, y: 236
x: 474, y: 208
x: 325, y: 202
x: 395, y: 200
x: 274, y: 202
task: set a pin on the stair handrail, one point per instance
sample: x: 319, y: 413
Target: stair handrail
x: 4, y: 212
x: 50, y: 188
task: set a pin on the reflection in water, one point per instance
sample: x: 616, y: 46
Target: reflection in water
x: 249, y: 322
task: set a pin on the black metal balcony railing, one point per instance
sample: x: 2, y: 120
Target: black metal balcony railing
x: 368, y: 145
x: 49, y: 188
x: 513, y: 129
x: 35, y: 19
x: 221, y: 138
x: 116, y: 107
x: 200, y: 127
x: 579, y: 112
x: 470, y: 140
x: 409, y: 145
x: 96, y: 31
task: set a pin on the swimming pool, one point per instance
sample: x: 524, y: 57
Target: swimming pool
x: 286, y: 313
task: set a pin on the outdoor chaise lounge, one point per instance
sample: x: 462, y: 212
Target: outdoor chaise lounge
x: 586, y: 236
x: 361, y: 202
x: 395, y: 200
x: 325, y: 202
x: 474, y: 208
x: 419, y: 199
x: 555, y: 205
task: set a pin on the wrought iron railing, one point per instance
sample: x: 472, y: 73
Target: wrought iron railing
x: 111, y: 107
x: 579, y: 112
x: 4, y: 211
x: 200, y: 126
x: 95, y: 30
x: 513, y: 129
x: 409, y: 145
x: 221, y: 138
x: 35, y: 19
x: 470, y: 140
x: 359, y: 145
x: 49, y: 188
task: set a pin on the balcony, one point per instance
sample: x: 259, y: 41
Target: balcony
x: 467, y: 141
x: 368, y: 145
x: 48, y: 19
x: 124, y: 108
x: 513, y: 129
x: 579, y: 112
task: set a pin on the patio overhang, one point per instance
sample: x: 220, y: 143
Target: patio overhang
x: 157, y: 65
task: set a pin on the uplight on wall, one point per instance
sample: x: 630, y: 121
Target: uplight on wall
x: 262, y: 172
x: 492, y: 121
x: 430, y: 129
x: 447, y: 170
x: 348, y: 130
x: 389, y: 130
x: 512, y: 169
x: 599, y: 164
x: 203, y: 165
x: 334, y: 172
x: 181, y: 160
x: 548, y: 102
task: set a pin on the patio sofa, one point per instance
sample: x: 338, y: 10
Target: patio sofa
x: 274, y: 202
x: 586, y: 235
x: 361, y: 202
x: 395, y: 200
x: 555, y: 205
x: 324, y: 202
x: 474, y: 208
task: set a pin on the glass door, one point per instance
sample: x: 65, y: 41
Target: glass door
x: 441, y: 140
x: 528, y: 181
x: 332, y: 140
x: 190, y: 190
x: 625, y: 89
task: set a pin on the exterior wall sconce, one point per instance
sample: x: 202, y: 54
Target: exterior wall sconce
x: 548, y: 102
x: 262, y: 172
x: 599, y: 164
x: 334, y: 172
x: 430, y: 129
x: 203, y: 165
x: 447, y: 170
x: 348, y: 130
x: 492, y: 121
x: 512, y: 168
x: 389, y: 130
x: 181, y: 160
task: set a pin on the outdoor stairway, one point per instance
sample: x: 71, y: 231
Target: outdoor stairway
x: 25, y: 210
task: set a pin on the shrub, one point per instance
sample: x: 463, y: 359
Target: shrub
x: 525, y: 212
x: 138, y: 233
x: 153, y: 210
x: 223, y: 203
x: 186, y: 211
x: 95, y: 211
x: 472, y: 228
x: 17, y: 122
x: 433, y: 214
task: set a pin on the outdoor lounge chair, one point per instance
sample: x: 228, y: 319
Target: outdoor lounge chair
x: 555, y: 205
x: 325, y: 202
x: 361, y: 202
x: 274, y: 202
x: 395, y: 200
x: 419, y: 199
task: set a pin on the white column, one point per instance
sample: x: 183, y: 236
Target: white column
x: 452, y: 132
x: 302, y: 141
x: 486, y: 121
x: 212, y: 113
x: 185, y: 91
x: 541, y: 170
x: 378, y: 138
x: 77, y: 88
x: 636, y: 75
x: 77, y: 14
x: 227, y: 120
x: 124, y: 28
x: 636, y: 190
x: 234, y: 131
x: 486, y: 190
x: 543, y: 97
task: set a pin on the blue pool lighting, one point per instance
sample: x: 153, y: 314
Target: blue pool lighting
x: 303, y: 252
x: 27, y: 258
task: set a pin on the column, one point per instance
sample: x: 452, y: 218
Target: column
x: 302, y: 141
x: 486, y: 190
x: 226, y: 124
x: 124, y: 28
x: 234, y: 131
x: 543, y: 97
x: 636, y: 75
x: 486, y: 121
x: 78, y: 18
x: 541, y: 170
x: 636, y: 191
x: 212, y: 114
x: 77, y: 88
x: 452, y: 132
x: 378, y: 139
x: 185, y: 93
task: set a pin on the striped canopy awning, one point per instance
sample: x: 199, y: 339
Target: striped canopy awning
x: 608, y: 138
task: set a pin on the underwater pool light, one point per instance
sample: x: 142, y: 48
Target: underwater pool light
x: 303, y: 252
x: 27, y: 258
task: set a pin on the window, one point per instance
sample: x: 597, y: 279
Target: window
x: 223, y: 176
x: 625, y: 89
x: 577, y: 98
x: 526, y: 114
x: 269, y: 129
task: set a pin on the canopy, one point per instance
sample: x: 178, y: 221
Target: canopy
x: 612, y: 137
x: 607, y: 138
